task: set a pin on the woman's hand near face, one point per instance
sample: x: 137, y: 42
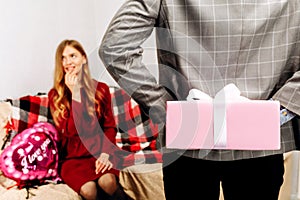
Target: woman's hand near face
x: 102, y: 163
x: 71, y: 79
x: 73, y: 83
x: 73, y: 62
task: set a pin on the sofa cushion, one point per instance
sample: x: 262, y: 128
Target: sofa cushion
x: 5, y: 114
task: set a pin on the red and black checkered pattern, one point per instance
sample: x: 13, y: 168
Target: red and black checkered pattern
x: 28, y: 110
x: 135, y: 133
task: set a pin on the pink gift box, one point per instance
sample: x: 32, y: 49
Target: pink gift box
x: 245, y: 125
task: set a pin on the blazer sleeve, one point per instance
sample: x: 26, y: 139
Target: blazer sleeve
x: 121, y: 53
x: 289, y: 94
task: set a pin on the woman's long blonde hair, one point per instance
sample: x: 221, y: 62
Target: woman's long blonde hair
x: 62, y: 98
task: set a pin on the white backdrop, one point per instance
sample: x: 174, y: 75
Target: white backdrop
x: 31, y: 30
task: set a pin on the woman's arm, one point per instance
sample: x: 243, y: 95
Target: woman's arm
x: 108, y: 125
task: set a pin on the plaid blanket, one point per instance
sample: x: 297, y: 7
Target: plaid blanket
x: 135, y: 134
x: 28, y: 110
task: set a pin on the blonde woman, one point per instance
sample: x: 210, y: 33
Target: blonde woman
x: 81, y: 110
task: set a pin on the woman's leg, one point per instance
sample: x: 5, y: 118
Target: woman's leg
x: 108, y: 183
x: 89, y: 191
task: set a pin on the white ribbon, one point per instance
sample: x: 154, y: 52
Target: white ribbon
x: 195, y: 94
x: 228, y: 94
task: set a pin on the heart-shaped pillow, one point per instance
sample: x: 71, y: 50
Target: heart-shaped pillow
x: 32, y: 154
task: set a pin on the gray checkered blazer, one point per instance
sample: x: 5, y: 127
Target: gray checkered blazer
x: 206, y: 45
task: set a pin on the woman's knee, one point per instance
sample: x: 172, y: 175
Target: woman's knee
x: 108, y: 183
x: 89, y: 190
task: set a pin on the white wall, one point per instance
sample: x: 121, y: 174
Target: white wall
x: 31, y: 30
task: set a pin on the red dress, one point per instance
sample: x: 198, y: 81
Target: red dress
x: 82, y: 140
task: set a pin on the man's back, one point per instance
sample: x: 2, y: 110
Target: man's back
x: 245, y: 42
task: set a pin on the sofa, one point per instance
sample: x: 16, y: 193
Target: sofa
x: 141, y: 176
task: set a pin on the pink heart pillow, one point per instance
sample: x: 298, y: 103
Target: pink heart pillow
x: 32, y: 154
